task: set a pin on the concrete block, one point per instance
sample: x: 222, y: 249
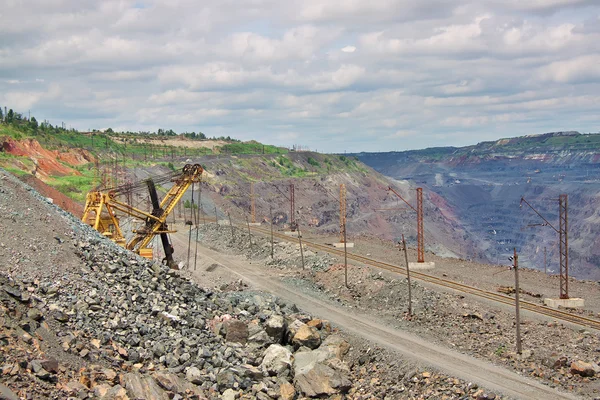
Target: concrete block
x: 254, y: 223
x: 341, y: 245
x: 419, y: 266
x: 288, y: 233
x: 574, y: 302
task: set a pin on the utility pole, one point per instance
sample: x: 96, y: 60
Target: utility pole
x: 517, y: 302
x: 345, y: 256
x: 420, y: 226
x: 545, y: 263
x: 271, y: 216
x: 563, y: 240
x: 301, y: 249
x: 292, y: 209
x: 252, y: 204
x: 407, y: 276
x: 563, y: 202
x: 420, y: 239
x: 343, y: 214
x: 216, y: 217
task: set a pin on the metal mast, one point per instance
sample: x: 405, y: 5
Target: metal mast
x: 420, y: 227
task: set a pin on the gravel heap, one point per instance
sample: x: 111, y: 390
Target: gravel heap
x: 286, y: 255
x: 555, y: 354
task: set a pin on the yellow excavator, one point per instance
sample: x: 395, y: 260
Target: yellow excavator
x: 101, y: 209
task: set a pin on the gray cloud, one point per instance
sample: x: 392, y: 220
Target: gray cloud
x: 353, y: 75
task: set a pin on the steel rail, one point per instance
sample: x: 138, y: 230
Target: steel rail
x: 500, y: 298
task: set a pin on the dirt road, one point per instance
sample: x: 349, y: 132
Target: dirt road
x: 438, y: 357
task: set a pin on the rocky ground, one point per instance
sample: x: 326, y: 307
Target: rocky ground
x: 555, y: 354
x: 83, y: 318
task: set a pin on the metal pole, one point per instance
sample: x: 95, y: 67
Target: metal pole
x: 249, y: 234
x: 301, y: 249
x: 345, y: 257
x: 564, y: 245
x: 420, y: 228
x: 196, y: 249
x: 216, y: 217
x: 189, y: 246
x: 545, y: 264
x: 517, y: 302
x: 271, y: 216
x: 407, y: 276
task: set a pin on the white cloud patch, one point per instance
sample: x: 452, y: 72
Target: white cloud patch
x: 319, y: 73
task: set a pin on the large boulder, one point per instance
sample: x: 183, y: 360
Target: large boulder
x: 582, y: 368
x: 337, y: 345
x: 287, y: 391
x: 305, y: 361
x: 174, y: 383
x: 143, y: 387
x: 257, y: 336
x: 292, y: 328
x: 277, y: 360
x: 275, y: 327
x: 307, y: 336
x: 322, y: 380
x: 194, y: 375
x: 236, y: 331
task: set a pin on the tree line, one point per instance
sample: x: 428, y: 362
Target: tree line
x: 30, y: 125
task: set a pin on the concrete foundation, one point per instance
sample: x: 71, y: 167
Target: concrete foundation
x: 288, y: 233
x: 254, y: 223
x: 341, y: 245
x: 574, y: 302
x: 424, y: 265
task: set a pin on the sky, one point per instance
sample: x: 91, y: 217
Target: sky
x: 334, y: 76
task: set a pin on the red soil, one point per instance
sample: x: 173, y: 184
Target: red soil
x: 48, y: 161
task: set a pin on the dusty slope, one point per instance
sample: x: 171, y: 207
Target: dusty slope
x: 481, y: 187
x: 372, y: 211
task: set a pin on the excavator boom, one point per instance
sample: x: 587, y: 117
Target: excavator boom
x: 101, y: 208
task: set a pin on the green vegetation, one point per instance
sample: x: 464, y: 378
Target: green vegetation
x: 500, y: 350
x: 74, y: 186
x: 313, y: 162
x: 251, y: 147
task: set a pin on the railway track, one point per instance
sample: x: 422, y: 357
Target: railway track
x: 497, y: 297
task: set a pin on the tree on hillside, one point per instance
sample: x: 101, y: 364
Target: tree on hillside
x: 33, y: 123
x: 1, y: 114
x: 109, y: 130
x: 10, y: 116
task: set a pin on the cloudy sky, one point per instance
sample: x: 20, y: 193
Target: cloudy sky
x: 355, y: 75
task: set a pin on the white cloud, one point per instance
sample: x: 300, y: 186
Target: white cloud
x: 312, y: 71
x: 581, y: 69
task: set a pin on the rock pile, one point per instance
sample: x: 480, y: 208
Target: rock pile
x: 164, y: 334
x: 286, y: 255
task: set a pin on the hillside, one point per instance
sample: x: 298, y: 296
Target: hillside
x: 483, y: 185
x: 371, y: 210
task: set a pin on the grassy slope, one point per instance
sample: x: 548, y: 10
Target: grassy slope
x: 130, y: 152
